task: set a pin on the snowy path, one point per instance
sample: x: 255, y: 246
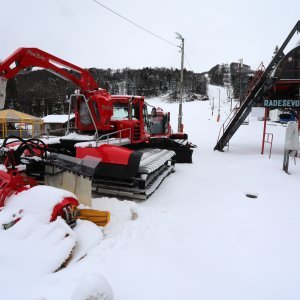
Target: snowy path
x: 200, y: 237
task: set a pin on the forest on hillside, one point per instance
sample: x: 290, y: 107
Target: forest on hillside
x: 40, y: 92
x: 235, y: 75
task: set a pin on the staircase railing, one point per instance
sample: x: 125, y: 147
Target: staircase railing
x: 257, y: 76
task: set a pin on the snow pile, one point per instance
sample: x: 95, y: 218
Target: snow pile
x: 29, y: 251
x: 93, y: 286
x: 88, y: 236
x: 37, y: 201
x: 34, y: 249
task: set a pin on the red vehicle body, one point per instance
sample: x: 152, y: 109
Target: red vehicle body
x: 95, y: 107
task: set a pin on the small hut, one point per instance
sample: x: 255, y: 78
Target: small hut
x: 57, y: 124
x: 19, y: 124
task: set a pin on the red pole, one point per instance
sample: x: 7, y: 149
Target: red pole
x: 264, y: 131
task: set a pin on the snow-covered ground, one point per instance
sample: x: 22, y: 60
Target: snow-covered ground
x: 197, y: 237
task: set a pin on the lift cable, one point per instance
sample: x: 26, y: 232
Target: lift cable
x: 135, y: 24
x: 188, y: 63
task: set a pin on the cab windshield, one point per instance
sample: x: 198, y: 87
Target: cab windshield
x: 121, y: 112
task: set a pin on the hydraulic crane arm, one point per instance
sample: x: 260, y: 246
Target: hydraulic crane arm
x: 93, y: 106
x: 25, y: 58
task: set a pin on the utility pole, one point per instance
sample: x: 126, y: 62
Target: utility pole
x: 3, y: 83
x: 68, y: 100
x: 240, y: 64
x: 219, y: 113
x: 180, y: 126
x: 230, y: 98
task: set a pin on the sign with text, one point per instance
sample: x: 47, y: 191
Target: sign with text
x: 3, y: 82
x: 283, y: 103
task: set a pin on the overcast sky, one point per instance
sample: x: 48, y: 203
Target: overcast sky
x: 88, y: 35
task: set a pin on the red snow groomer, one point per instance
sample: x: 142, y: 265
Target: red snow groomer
x: 116, y: 149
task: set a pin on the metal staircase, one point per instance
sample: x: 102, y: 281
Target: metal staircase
x: 260, y: 83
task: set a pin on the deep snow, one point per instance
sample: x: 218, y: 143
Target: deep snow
x: 197, y: 237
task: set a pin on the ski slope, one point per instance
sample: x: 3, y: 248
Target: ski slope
x: 197, y: 237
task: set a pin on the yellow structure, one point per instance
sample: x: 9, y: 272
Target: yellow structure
x: 19, y: 124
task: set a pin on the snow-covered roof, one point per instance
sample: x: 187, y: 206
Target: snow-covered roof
x: 57, y: 118
x: 11, y: 115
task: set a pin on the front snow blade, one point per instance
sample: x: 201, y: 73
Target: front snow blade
x: 71, y: 174
x: 72, y: 182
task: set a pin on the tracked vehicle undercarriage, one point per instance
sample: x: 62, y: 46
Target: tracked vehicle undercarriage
x: 135, y: 174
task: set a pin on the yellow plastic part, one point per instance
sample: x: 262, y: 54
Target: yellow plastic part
x: 100, y: 218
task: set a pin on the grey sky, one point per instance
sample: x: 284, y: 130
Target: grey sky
x: 86, y: 34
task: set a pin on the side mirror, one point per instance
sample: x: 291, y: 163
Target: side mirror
x: 3, y: 82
